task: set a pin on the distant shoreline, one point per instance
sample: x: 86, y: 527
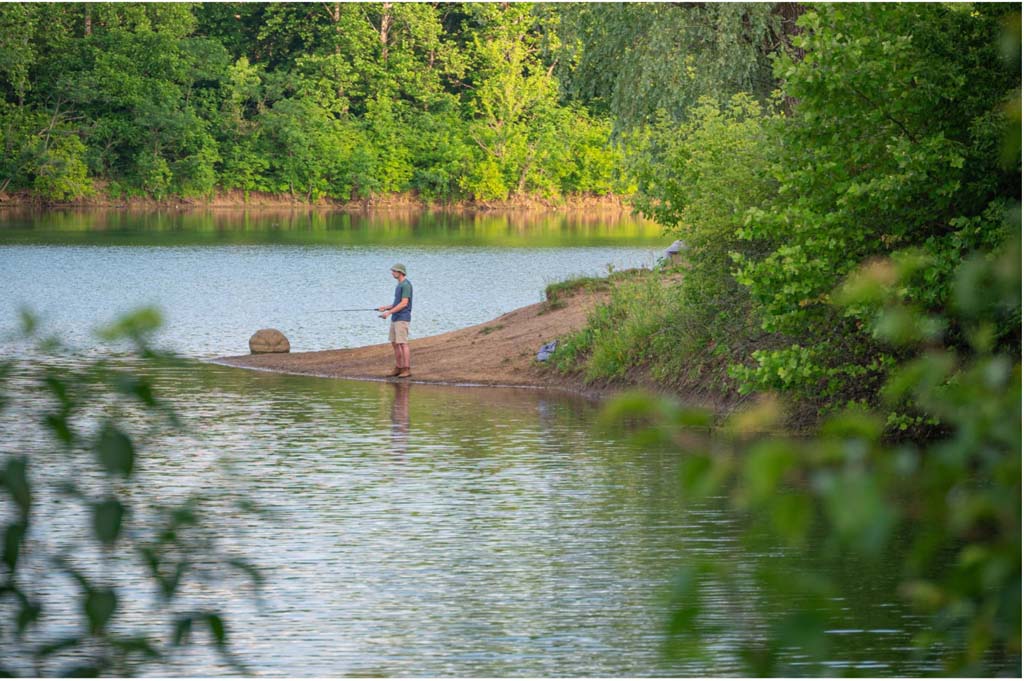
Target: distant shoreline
x: 407, y: 202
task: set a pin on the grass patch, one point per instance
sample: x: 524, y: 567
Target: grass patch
x: 557, y: 292
x: 491, y: 329
x: 676, y: 330
x: 560, y: 290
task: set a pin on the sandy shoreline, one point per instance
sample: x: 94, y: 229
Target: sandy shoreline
x: 497, y: 353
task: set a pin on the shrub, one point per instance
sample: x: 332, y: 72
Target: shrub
x: 62, y: 174
x: 893, y: 144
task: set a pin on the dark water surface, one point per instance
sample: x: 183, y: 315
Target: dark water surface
x: 414, y: 530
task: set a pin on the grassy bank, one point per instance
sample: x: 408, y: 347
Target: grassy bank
x: 658, y: 328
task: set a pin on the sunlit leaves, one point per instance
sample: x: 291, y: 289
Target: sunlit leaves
x: 867, y: 168
x: 335, y: 100
x: 138, y: 325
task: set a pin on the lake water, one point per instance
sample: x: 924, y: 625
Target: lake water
x: 218, y: 278
x: 412, y: 530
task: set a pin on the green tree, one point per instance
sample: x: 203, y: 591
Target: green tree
x: 172, y: 99
x: 894, y: 143
x: 514, y: 104
x: 61, y: 173
x: 636, y: 59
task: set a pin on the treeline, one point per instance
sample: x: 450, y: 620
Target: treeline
x: 338, y: 100
x: 891, y: 142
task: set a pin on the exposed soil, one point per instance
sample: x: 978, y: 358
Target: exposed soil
x: 261, y: 200
x: 500, y: 352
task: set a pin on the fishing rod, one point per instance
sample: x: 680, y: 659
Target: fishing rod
x: 350, y: 309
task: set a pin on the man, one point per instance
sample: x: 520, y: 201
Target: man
x: 401, y: 315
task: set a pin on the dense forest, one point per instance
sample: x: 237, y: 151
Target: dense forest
x: 338, y: 100
x: 891, y: 130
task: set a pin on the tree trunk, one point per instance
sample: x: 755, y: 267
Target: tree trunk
x: 385, y: 29
x: 88, y: 21
x: 334, y: 12
x: 521, y: 185
x: 788, y: 13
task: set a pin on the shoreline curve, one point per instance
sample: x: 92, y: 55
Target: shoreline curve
x: 498, y: 353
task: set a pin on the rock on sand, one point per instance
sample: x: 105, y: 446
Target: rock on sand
x: 268, y: 340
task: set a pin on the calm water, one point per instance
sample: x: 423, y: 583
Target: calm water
x: 217, y: 281
x: 412, y: 530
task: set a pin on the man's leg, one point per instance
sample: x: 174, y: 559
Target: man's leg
x: 398, y: 360
x: 403, y: 349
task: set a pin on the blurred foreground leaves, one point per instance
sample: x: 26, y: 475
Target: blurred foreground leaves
x: 948, y: 505
x: 87, y: 628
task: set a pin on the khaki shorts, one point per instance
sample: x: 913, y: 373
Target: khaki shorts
x: 399, y: 332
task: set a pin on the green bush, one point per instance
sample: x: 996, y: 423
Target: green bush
x: 62, y: 174
x: 153, y: 175
x: 698, y: 179
x: 893, y: 144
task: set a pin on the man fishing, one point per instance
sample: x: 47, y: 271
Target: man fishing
x: 401, y: 315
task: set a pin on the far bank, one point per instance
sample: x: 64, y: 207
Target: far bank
x: 407, y: 201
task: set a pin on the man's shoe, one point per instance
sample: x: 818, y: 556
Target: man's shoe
x: 395, y: 372
x: 405, y: 373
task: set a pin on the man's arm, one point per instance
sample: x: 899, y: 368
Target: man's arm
x: 392, y: 310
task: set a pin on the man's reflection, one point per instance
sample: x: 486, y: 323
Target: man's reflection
x: 400, y: 419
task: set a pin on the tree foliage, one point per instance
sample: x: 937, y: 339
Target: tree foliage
x: 638, y: 61
x: 887, y: 136
x: 336, y: 100
x: 894, y: 145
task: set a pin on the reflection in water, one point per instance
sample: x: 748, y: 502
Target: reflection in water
x: 400, y: 419
x: 312, y: 226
